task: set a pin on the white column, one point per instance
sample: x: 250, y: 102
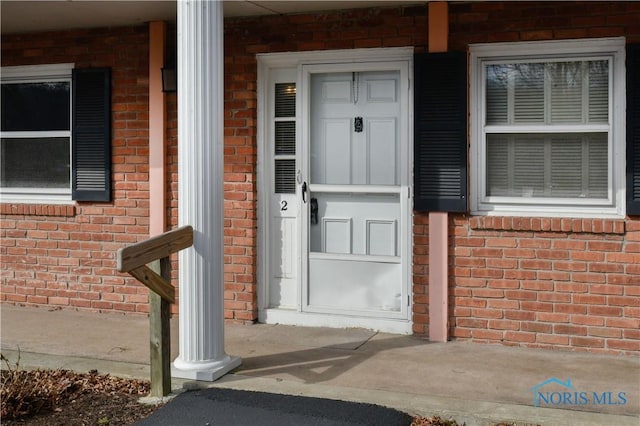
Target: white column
x: 200, y: 191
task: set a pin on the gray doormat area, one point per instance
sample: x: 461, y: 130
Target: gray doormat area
x: 215, y: 406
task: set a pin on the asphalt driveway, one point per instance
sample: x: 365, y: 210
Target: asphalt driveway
x: 216, y: 406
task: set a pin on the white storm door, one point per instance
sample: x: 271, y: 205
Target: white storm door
x: 355, y: 191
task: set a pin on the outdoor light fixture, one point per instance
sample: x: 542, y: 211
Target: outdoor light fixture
x: 169, y: 80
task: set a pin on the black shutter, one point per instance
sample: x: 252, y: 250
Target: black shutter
x: 91, y: 134
x: 633, y: 129
x: 440, y: 137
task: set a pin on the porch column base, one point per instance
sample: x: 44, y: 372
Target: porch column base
x: 205, y: 371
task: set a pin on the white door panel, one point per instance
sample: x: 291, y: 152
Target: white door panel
x: 382, y: 153
x: 283, y: 288
x: 344, y: 289
x: 359, y: 210
x: 333, y: 155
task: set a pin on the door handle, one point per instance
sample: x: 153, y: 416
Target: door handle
x: 304, y: 192
x: 314, y: 211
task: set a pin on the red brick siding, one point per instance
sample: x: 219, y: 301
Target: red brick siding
x: 527, y: 282
x: 488, y: 22
x: 66, y: 255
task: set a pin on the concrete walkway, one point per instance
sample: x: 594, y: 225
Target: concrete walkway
x: 476, y: 384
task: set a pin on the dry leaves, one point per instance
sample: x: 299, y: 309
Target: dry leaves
x: 25, y: 393
x: 433, y: 421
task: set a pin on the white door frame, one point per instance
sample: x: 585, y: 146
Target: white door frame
x: 385, y: 59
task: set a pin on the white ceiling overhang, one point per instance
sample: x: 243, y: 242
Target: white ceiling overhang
x: 20, y: 16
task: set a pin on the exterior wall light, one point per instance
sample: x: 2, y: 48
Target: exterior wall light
x: 169, y: 80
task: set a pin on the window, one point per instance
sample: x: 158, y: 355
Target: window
x: 285, y: 138
x: 55, y: 134
x: 35, y: 147
x: 548, y: 128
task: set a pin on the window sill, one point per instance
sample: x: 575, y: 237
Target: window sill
x: 548, y: 224
x: 64, y: 210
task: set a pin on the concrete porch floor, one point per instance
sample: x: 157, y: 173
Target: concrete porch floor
x: 469, y: 382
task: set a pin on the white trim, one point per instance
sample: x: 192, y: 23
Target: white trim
x: 355, y: 189
x: 312, y: 319
x: 482, y: 54
x: 27, y: 73
x: 292, y: 59
x: 36, y: 197
x: 559, y: 48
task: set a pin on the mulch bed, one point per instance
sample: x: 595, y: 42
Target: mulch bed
x: 63, y: 397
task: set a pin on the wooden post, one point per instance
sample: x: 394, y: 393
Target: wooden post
x: 160, y: 334
x: 148, y: 261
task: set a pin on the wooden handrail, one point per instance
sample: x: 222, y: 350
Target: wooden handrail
x: 154, y: 248
x: 134, y: 259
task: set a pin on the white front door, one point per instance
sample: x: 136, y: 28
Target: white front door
x: 354, y: 194
x: 336, y: 157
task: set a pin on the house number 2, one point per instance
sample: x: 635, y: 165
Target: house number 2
x: 283, y: 207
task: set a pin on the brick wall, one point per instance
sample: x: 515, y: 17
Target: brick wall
x: 66, y: 255
x: 546, y: 282
x: 488, y: 22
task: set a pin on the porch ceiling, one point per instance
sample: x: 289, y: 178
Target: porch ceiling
x: 20, y: 16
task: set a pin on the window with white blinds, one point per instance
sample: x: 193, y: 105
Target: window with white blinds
x: 285, y: 138
x: 544, y: 129
x: 548, y: 93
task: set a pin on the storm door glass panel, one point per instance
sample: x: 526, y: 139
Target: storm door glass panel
x: 35, y: 162
x: 355, y: 129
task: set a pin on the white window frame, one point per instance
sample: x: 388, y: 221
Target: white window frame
x: 585, y: 49
x: 37, y: 74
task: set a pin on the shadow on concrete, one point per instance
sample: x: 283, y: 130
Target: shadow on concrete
x: 324, y: 364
